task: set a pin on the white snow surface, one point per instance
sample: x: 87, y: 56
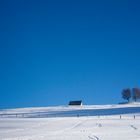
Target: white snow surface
x: 92, y: 122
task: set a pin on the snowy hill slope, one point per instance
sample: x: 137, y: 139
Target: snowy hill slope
x: 67, y: 111
x: 98, y: 122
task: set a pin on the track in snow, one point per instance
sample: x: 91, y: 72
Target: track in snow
x: 93, y: 137
x: 132, y: 126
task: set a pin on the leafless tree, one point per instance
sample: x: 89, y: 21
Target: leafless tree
x: 126, y: 94
x: 136, y: 94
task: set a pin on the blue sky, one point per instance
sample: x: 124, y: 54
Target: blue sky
x: 55, y: 51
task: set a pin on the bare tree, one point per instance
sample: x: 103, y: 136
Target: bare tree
x: 136, y: 94
x: 126, y: 94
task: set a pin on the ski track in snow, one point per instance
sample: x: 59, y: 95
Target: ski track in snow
x: 93, y: 137
x: 132, y: 126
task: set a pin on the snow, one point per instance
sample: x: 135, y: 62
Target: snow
x: 93, y: 122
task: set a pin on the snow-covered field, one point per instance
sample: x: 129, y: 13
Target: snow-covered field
x: 100, y: 122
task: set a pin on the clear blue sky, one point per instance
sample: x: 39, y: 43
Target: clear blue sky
x: 60, y: 50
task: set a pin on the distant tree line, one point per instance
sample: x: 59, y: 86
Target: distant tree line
x: 131, y: 94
